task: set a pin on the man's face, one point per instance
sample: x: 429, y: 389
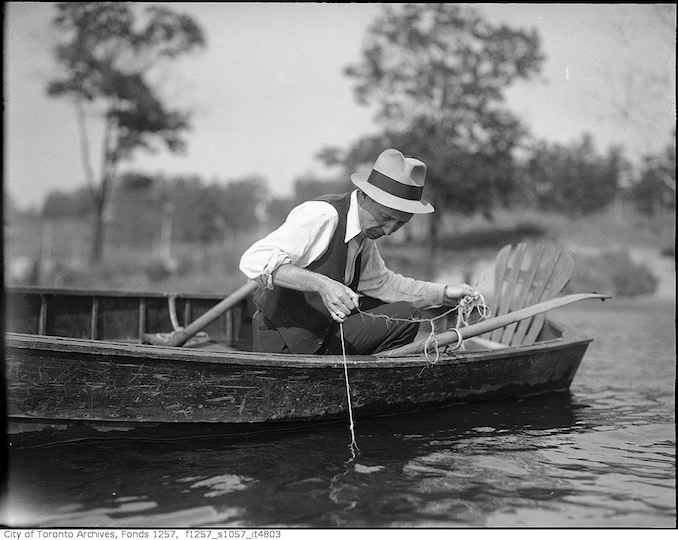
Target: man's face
x: 377, y: 220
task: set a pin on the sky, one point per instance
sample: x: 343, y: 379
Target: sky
x: 269, y: 92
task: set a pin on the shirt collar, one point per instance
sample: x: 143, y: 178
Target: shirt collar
x: 353, y: 227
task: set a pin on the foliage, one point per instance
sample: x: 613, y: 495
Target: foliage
x: 611, y: 272
x: 493, y: 236
x: 106, y: 52
x: 306, y: 188
x: 277, y: 210
x: 193, y: 210
x: 440, y: 61
x: 310, y: 187
x: 573, y: 179
x: 657, y: 185
x: 59, y: 204
x: 134, y: 264
x: 437, y: 73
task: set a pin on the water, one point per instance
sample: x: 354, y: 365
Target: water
x: 601, y: 455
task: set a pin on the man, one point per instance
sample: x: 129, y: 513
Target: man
x: 322, y: 269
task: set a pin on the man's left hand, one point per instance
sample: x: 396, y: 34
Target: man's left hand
x: 454, y: 293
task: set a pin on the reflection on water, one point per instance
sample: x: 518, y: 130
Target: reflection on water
x: 601, y: 455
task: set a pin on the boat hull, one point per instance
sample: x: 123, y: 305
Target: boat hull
x: 79, y: 357
x: 59, y: 380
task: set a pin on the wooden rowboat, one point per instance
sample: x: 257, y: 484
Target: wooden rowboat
x: 78, y: 357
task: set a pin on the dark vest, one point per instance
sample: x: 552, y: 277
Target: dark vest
x: 301, y: 318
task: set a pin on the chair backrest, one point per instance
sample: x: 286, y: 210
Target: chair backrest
x: 523, y: 276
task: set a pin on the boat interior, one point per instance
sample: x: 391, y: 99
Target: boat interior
x: 524, y: 275
x: 136, y: 318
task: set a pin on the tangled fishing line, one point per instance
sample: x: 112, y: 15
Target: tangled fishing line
x: 464, y: 308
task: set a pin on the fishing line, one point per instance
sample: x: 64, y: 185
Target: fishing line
x: 353, y: 446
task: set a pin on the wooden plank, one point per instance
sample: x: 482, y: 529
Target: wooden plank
x: 102, y: 293
x: 42, y: 318
x: 540, y: 292
x: 508, y: 286
x: 499, y: 272
x: 560, y: 277
x: 142, y: 319
x: 94, y: 320
x: 527, y: 282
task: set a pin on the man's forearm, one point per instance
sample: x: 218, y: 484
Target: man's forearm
x: 337, y: 297
x: 299, y: 279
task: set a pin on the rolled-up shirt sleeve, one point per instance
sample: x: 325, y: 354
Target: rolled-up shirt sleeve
x: 302, y: 239
x: 378, y: 281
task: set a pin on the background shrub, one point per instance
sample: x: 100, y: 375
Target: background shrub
x: 611, y: 272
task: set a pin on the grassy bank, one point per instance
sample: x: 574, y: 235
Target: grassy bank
x: 600, y: 243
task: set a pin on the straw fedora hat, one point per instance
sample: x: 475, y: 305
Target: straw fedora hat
x: 395, y: 181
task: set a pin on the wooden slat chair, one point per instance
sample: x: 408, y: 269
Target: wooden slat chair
x: 523, y: 276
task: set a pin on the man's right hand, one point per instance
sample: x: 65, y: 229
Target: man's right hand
x: 339, y: 299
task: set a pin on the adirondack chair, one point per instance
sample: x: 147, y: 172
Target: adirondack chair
x: 525, y: 275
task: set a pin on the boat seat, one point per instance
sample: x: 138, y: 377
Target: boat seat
x: 525, y: 275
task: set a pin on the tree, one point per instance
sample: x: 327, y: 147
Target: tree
x: 67, y: 205
x: 242, y: 201
x: 437, y: 73
x: 277, y: 209
x: 194, y: 208
x: 136, y: 209
x: 218, y: 210
x: 107, y: 52
x: 575, y: 179
x: 309, y: 186
x: 657, y: 185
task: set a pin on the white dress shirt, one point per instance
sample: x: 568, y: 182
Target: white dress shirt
x: 306, y: 235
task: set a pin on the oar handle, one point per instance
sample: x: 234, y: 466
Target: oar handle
x: 452, y: 336
x: 180, y: 337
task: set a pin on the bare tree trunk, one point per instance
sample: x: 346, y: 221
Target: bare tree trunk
x: 101, y: 196
x: 84, y: 143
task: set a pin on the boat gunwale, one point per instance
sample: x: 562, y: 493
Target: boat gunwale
x: 146, y: 352
x: 112, y: 292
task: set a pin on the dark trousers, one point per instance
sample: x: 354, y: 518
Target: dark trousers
x: 369, y: 332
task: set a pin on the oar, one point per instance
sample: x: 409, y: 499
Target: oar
x: 180, y: 337
x: 451, y: 336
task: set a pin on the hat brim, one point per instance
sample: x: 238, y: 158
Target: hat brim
x: 412, y: 207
